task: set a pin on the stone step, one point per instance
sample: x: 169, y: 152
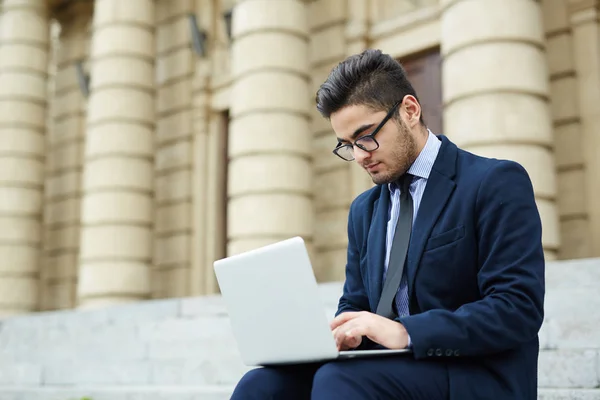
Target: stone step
x: 204, y: 393
x: 569, y: 394
x: 569, y: 368
x: 86, y: 372
x: 117, y: 393
x: 557, y: 369
x: 183, y: 349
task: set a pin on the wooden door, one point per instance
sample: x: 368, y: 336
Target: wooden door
x: 424, y: 72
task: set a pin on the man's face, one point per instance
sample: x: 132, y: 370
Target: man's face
x: 397, y: 146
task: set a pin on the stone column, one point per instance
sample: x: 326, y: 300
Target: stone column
x: 24, y: 38
x: 116, y: 218
x: 270, y: 184
x: 585, y: 17
x: 495, y: 89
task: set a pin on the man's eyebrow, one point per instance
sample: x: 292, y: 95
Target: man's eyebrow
x: 356, y: 133
x: 361, y: 130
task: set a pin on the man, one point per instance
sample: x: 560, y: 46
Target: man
x: 444, y: 257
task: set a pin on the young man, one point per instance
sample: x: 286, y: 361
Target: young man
x: 444, y: 257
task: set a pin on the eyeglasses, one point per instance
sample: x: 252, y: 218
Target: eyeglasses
x: 366, y: 143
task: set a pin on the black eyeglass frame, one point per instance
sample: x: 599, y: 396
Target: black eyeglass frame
x: 370, y: 136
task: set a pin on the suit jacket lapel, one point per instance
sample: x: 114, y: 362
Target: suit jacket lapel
x: 440, y: 186
x: 376, y: 245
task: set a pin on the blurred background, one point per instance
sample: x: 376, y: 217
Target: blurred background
x: 140, y: 140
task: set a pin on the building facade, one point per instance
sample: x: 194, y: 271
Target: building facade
x: 141, y: 140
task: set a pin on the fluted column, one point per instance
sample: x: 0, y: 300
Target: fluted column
x: 495, y: 88
x: 117, y: 205
x: 585, y: 25
x: 24, y: 39
x: 270, y: 168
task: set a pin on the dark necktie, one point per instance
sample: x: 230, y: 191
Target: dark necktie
x: 399, y: 250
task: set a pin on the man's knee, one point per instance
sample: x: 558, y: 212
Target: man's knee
x: 274, y: 383
x: 254, y: 384
x: 337, y: 380
x: 330, y: 372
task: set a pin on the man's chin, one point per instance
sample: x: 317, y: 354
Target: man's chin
x: 379, y: 179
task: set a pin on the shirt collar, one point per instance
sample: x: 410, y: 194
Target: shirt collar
x: 424, y: 163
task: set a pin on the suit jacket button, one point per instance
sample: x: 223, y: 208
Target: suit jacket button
x: 438, y: 352
x: 448, y: 353
x: 456, y: 352
x: 430, y: 352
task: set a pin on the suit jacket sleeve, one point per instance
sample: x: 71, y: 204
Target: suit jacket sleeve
x: 510, y: 275
x: 354, y: 297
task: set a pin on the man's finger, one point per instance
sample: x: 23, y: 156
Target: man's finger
x: 341, y: 330
x: 353, y: 341
x: 343, y: 318
x: 358, y: 330
x: 344, y: 340
x: 339, y: 334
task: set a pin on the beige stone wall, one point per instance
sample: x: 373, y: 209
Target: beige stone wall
x: 332, y: 181
x: 211, y: 87
x: 177, y: 159
x: 64, y: 160
x: 191, y: 158
x: 568, y: 144
x: 24, y: 42
x: 584, y: 18
x: 573, y: 77
x: 385, y: 10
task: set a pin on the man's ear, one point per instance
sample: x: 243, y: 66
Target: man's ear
x: 411, y: 110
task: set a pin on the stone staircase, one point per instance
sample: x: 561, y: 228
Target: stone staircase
x: 183, y: 349
x: 569, y: 363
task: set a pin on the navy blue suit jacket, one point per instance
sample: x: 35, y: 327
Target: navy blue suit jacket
x: 475, y: 270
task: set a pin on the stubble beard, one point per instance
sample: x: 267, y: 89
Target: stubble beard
x: 403, y: 155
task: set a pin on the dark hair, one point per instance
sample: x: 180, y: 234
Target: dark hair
x: 370, y: 78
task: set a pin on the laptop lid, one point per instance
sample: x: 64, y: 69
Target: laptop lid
x: 272, y: 297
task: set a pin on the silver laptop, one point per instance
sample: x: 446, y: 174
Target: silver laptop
x: 276, y: 313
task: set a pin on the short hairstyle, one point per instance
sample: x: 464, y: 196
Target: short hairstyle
x: 371, y: 78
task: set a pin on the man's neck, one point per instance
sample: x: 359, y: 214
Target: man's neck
x: 421, y: 138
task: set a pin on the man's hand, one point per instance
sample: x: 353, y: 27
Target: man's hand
x: 349, y: 328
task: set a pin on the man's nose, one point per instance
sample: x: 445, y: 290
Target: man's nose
x: 360, y: 155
